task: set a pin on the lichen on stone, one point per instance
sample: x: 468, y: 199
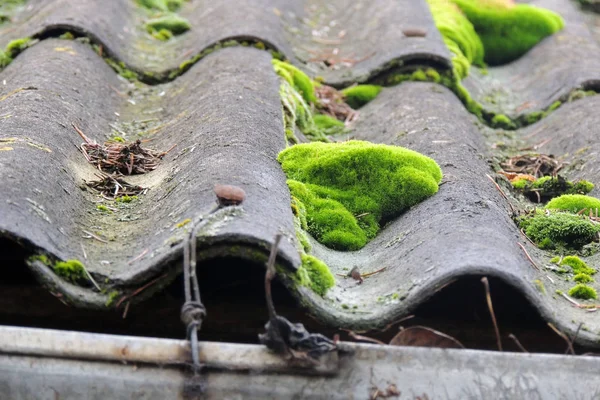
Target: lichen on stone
x: 350, y: 188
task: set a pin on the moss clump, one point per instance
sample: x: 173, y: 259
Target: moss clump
x: 358, y: 96
x: 297, y: 112
x: 121, y: 69
x: 315, y: 274
x: 520, y: 184
x: 12, y: 49
x: 70, y: 270
x: 328, y: 125
x: 574, y: 203
x: 167, y: 25
x: 578, y: 266
x: 583, y: 278
x: 583, y: 292
x: 300, y: 225
x: 503, y: 122
x: 161, y: 5
x: 41, y: 258
x: 349, y: 188
x: 548, y: 187
x: 103, y: 208
x: 126, y: 199
x: 458, y: 34
x: 298, y: 79
x: 552, y: 230
x: 112, y: 296
x: 506, y: 30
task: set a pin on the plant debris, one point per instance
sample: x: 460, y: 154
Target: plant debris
x: 331, y: 102
x: 111, y: 187
x: 537, y: 165
x: 119, y: 157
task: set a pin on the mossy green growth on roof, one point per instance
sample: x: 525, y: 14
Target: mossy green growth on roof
x: 298, y: 79
x: 583, y: 278
x: 315, y: 274
x: 458, y: 34
x: 578, y: 266
x: 166, y: 26
x: 12, y: 49
x: 583, y: 292
x: 548, y: 187
x: 161, y: 5
x: 359, y: 95
x: 574, y: 203
x: 328, y: 125
x: 508, y: 30
x: 349, y: 188
x: 71, y: 270
x: 556, y: 230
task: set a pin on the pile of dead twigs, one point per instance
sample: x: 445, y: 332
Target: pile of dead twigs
x: 123, y: 158
x: 116, y: 159
x: 332, y: 103
x: 537, y: 165
x: 111, y: 187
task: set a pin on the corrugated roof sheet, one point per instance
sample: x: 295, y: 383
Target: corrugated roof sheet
x: 224, y: 115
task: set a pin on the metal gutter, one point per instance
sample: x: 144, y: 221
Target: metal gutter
x: 40, y: 364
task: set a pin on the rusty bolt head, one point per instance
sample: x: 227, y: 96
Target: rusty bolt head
x: 228, y: 195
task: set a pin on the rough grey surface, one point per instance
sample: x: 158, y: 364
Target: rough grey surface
x: 373, y: 40
x: 464, y: 229
x: 224, y: 118
x: 567, y: 60
x: 363, y: 371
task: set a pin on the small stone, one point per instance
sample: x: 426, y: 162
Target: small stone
x: 229, y: 195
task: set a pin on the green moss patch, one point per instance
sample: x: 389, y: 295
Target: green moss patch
x: 161, y: 5
x: 574, y: 203
x: 583, y: 292
x: 508, y: 30
x: 12, y: 49
x: 71, y: 270
x: 359, y: 95
x: 559, y: 230
x: 578, y: 266
x: 583, y: 278
x: 297, y: 79
x: 545, y: 188
x: 315, y: 274
x: 458, y: 34
x: 348, y: 189
x: 328, y: 125
x: 167, y: 26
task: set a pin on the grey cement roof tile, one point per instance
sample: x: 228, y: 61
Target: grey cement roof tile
x: 374, y: 34
x: 225, y: 117
x: 561, y: 63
